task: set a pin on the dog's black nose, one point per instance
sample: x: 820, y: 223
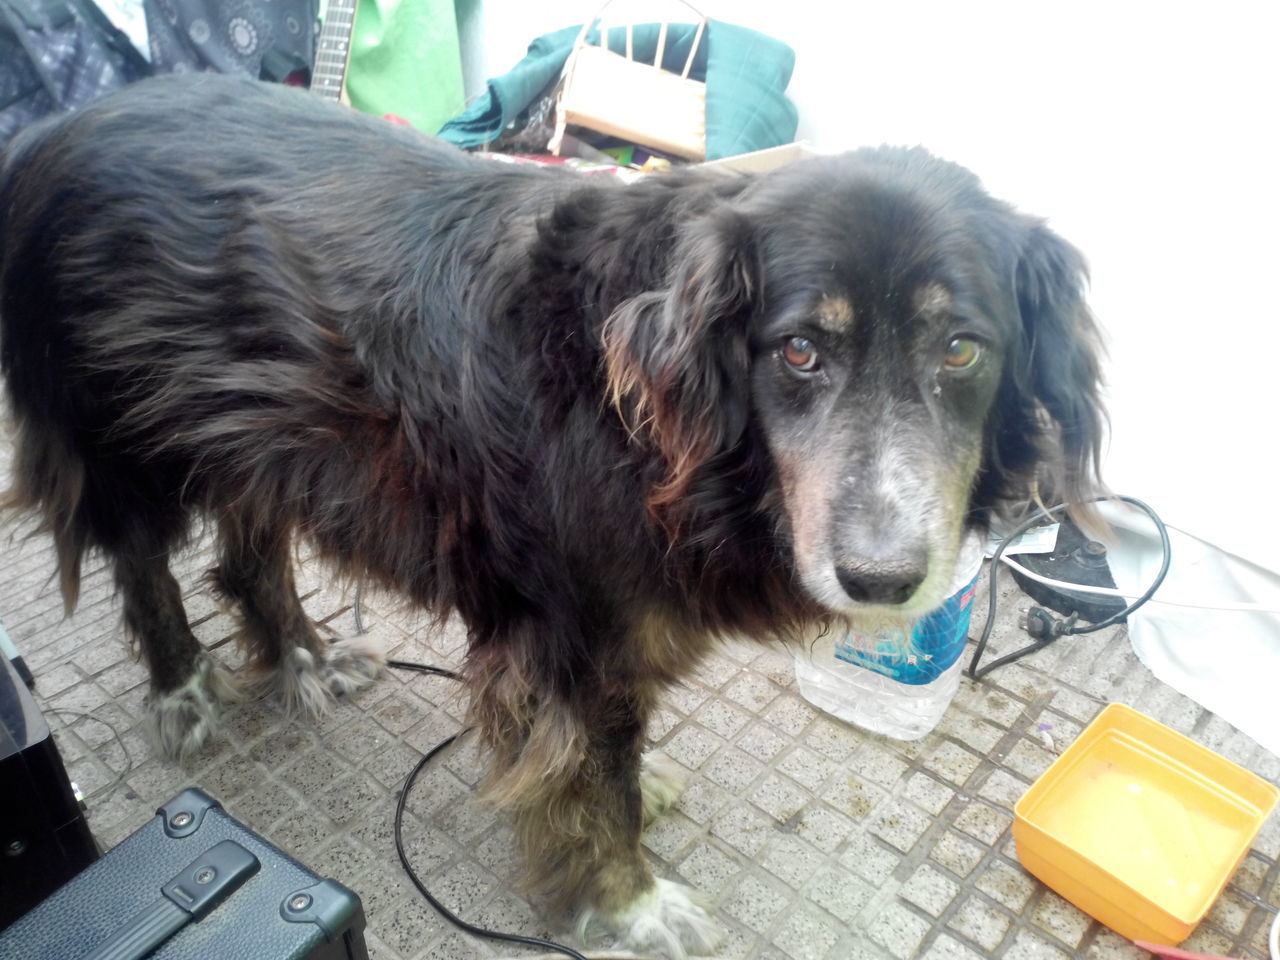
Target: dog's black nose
x: 882, y: 581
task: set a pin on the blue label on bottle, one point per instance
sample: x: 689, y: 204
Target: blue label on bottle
x: 937, y: 640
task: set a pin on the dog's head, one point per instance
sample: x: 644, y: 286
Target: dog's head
x: 908, y: 352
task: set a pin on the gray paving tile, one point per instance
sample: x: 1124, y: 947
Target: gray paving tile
x: 900, y: 824
x: 869, y: 859
x: 702, y: 800
x: 762, y: 741
x: 949, y: 948
x: 1230, y: 913
x: 879, y: 766
x: 854, y: 798
x: 791, y: 860
x: 982, y: 822
x: 898, y: 930
x: 721, y: 718
x: 807, y: 768
x: 708, y: 869
x: 805, y: 935
x: 926, y: 792
x: 980, y: 922
x: 692, y: 745
x: 1007, y: 885
x: 1003, y: 789
x: 974, y: 732
x: 1252, y: 873
x: 779, y: 797
x: 929, y: 890
x: 65, y: 675
x: 791, y: 715
x: 399, y: 711
x: 1257, y: 944
x: 823, y: 827
x: 952, y: 762
x: 344, y: 860
x: 990, y: 705
x: 350, y: 798
x: 669, y: 837
x: 509, y: 913
x: 1060, y: 919
x: 751, y: 691
x: 1028, y: 759
x: 743, y: 828
x: 303, y: 834
x: 957, y: 853
x: 832, y: 739
x: 1027, y: 945
x: 756, y: 902
x: 733, y: 769
x: 840, y: 893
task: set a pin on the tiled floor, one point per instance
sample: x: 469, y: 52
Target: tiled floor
x: 815, y: 840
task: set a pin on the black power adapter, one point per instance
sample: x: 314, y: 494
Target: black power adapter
x: 1075, y: 559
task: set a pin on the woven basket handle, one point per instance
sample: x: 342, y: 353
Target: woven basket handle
x: 662, y: 36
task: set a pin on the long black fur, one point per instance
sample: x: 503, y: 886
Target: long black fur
x: 520, y: 394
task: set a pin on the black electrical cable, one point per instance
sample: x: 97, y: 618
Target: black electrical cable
x: 422, y: 668
x: 404, y: 859
x: 1058, y: 628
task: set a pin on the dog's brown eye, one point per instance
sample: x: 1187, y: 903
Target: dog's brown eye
x: 962, y: 354
x: 801, y: 354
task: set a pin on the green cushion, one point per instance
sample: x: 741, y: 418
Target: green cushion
x: 405, y: 60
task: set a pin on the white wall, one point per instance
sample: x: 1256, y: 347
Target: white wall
x: 1145, y: 132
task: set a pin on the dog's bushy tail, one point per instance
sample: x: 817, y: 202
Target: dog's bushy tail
x: 48, y: 474
x: 48, y: 480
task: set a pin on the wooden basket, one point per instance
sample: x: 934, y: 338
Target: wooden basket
x: 640, y: 102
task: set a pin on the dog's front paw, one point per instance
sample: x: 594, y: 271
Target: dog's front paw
x: 183, y: 720
x: 668, y: 920
x: 352, y: 664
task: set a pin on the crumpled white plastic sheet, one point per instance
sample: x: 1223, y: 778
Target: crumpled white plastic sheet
x: 1227, y: 661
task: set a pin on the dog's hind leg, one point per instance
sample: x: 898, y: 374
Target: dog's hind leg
x: 94, y: 498
x: 569, y: 776
x: 285, y: 651
x: 187, y: 685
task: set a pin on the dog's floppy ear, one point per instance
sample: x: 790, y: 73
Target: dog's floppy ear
x: 1053, y: 380
x: 678, y: 358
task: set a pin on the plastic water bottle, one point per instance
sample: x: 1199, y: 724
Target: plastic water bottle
x: 888, y: 683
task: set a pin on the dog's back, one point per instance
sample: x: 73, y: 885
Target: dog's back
x: 187, y: 274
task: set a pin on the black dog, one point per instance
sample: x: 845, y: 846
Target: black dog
x: 606, y: 424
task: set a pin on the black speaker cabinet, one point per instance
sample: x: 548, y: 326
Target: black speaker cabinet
x: 44, y: 839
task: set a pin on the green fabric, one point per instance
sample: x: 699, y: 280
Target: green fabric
x: 745, y: 71
x: 405, y: 60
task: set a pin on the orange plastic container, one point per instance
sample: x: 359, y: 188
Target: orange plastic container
x: 1139, y: 826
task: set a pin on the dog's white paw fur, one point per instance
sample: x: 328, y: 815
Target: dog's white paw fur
x: 183, y: 720
x: 662, y: 780
x: 303, y: 690
x: 352, y: 664
x: 666, y: 921
x: 307, y: 688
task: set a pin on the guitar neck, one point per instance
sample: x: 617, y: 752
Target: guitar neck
x: 333, y: 49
